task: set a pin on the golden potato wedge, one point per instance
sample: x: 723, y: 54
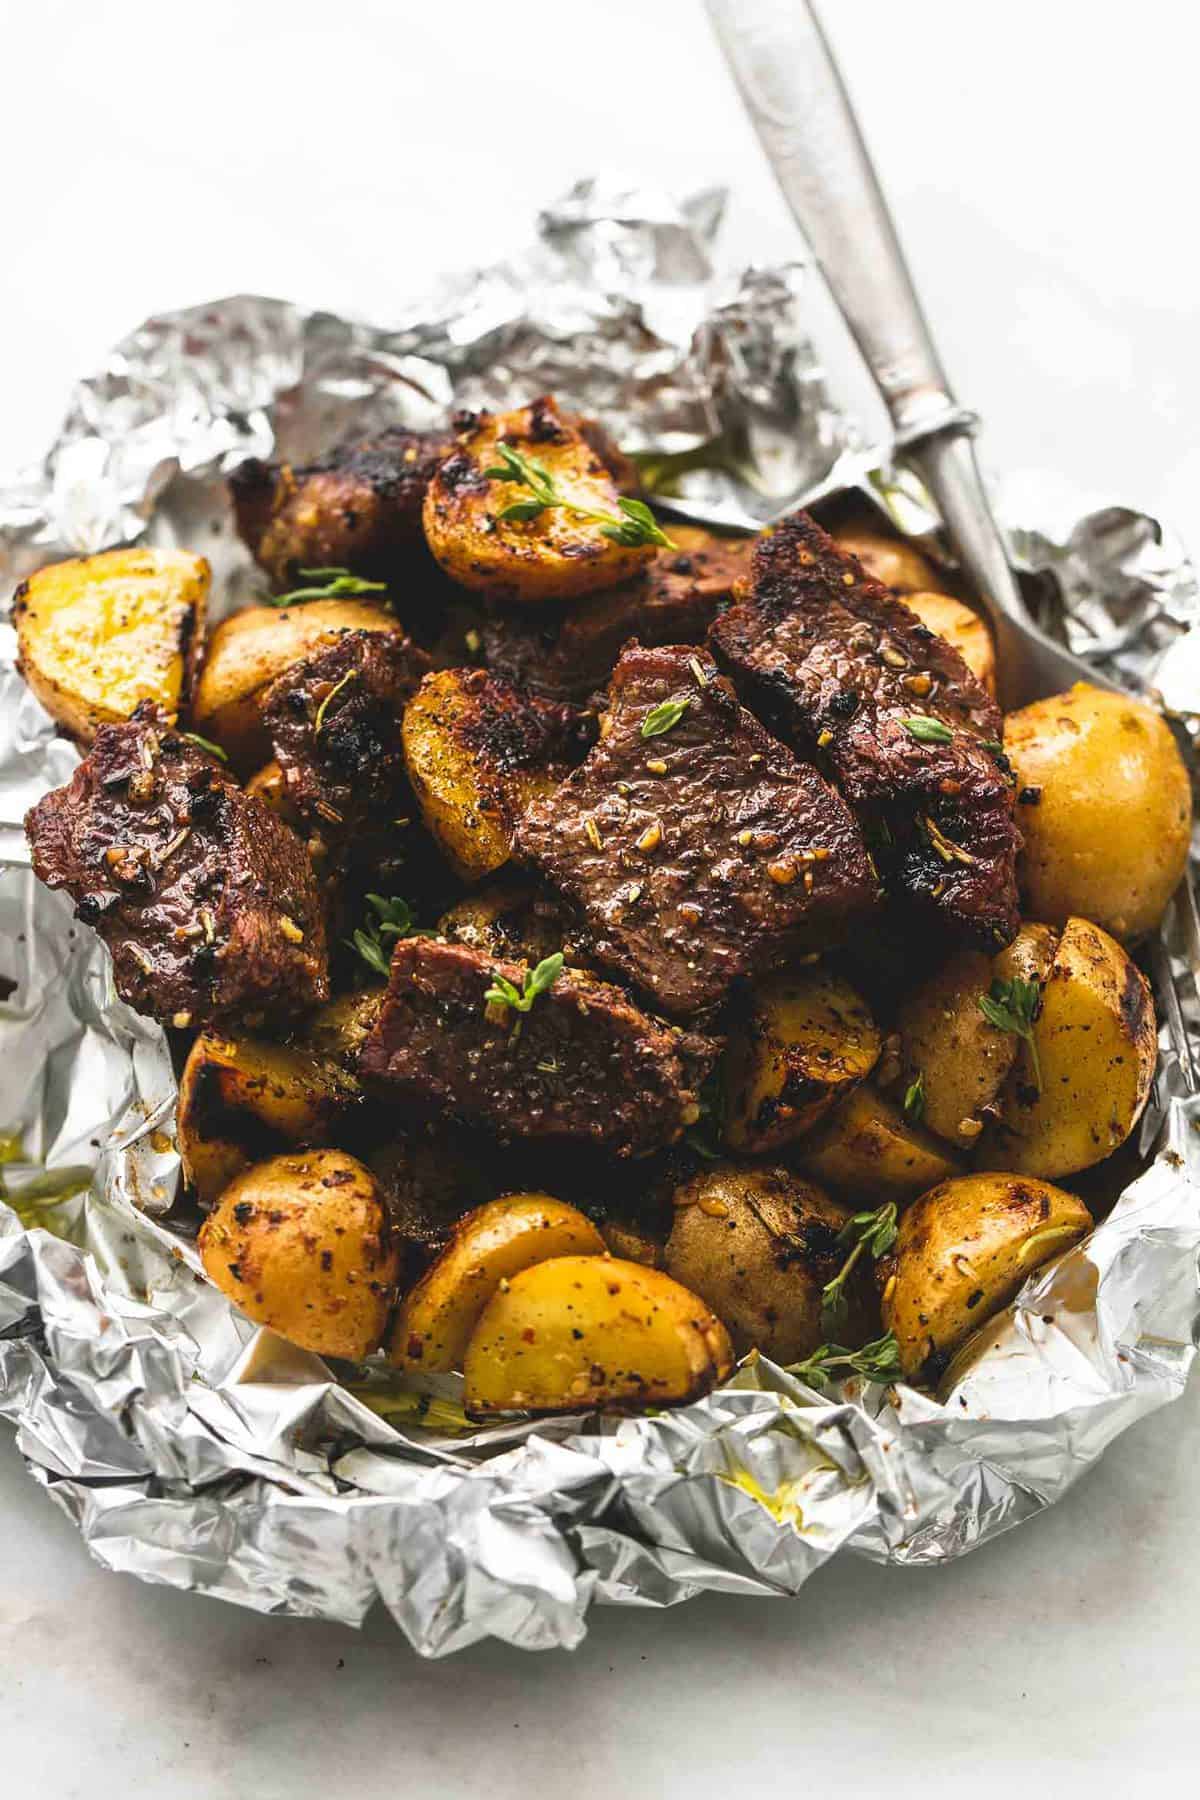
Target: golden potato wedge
x: 301, y: 1243
x: 891, y: 560
x: 246, y: 652
x: 582, y: 1331
x: 1105, y: 807
x: 490, y: 1245
x: 98, y: 634
x: 240, y: 1098
x: 1097, y: 1047
x: 868, y: 1150
x: 477, y: 752
x: 960, y: 627
x: 962, y: 1252
x: 337, y: 1032
x: 805, y: 1039
x: 508, y: 918
x: 960, y: 1060
x: 759, y: 1245
x: 557, y: 555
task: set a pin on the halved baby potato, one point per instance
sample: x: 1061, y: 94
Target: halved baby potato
x: 555, y: 555
x: 961, y: 628
x: 99, y: 634
x: 805, y: 1039
x: 487, y: 1247
x: 301, y: 1243
x: 583, y: 1331
x: 962, y: 1252
x: 867, y: 1149
x: 890, y: 560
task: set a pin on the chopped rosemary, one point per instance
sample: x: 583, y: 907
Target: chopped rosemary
x: 635, y: 526
x: 394, y: 918
x: 927, y: 731
x: 876, y: 1361
x: 874, y: 1232
x: 333, y: 584
x: 1013, y: 1006
x: 662, y: 717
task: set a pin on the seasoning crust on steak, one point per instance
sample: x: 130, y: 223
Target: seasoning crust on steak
x: 700, y: 853
x: 843, y: 671
x: 583, y: 1065
x: 206, y: 900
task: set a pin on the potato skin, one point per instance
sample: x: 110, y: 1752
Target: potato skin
x: 551, y: 557
x: 490, y: 1245
x: 585, y: 1331
x: 301, y: 1243
x: 961, y: 1253
x: 98, y: 634
x: 891, y: 560
x: 866, y: 1149
x: 968, y: 633
x: 1105, y: 806
x: 246, y: 652
x: 1097, y: 1047
x: 805, y: 1038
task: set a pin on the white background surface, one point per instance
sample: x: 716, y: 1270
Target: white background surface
x: 1041, y: 158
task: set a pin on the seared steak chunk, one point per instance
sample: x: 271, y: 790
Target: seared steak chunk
x: 699, y: 852
x: 844, y: 671
x: 583, y: 1065
x: 205, y: 898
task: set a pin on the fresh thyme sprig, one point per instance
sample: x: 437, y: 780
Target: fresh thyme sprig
x: 1013, y: 1006
x: 664, y: 716
x: 927, y: 731
x: 536, y: 982
x: 394, y: 919
x: 873, y: 1232
x: 635, y: 526
x: 876, y: 1361
x: 334, y: 584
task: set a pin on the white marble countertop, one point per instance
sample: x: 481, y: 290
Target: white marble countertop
x: 1040, y: 157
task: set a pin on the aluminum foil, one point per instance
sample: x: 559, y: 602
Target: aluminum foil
x: 194, y: 1449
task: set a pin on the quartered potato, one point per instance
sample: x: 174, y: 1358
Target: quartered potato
x: 962, y: 1252
x: 581, y: 1331
x: 556, y: 555
x: 477, y: 752
x: 488, y: 1246
x: 246, y: 652
x: 301, y: 1243
x: 890, y: 560
x: 867, y: 1149
x: 507, y: 918
x: 962, y: 628
x: 805, y: 1039
x: 99, y: 634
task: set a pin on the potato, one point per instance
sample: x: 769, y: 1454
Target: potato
x: 1096, y: 1048
x: 891, y: 560
x: 555, y: 556
x: 632, y: 1241
x: 759, y: 1245
x: 960, y: 627
x: 1105, y: 806
x: 582, y: 1331
x: 962, y: 1252
x: 491, y: 1245
x: 477, y: 752
x: 246, y: 652
x: 338, y: 1031
x: 98, y: 634
x: 301, y: 1243
x: 506, y: 918
x: 268, y: 785
x: 240, y: 1098
x: 806, y: 1038
x: 868, y: 1150
x: 961, y: 1060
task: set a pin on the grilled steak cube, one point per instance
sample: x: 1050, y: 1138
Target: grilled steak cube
x: 205, y: 898
x: 358, y: 507
x: 699, y: 852
x: 842, y: 670
x: 584, y: 1065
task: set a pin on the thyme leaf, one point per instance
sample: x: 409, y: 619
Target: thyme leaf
x: 203, y: 743
x: 332, y: 584
x: 914, y: 1099
x: 876, y: 1361
x: 393, y: 919
x: 1013, y: 1006
x: 632, y: 525
x: 870, y: 1232
x: 664, y: 716
x: 927, y: 731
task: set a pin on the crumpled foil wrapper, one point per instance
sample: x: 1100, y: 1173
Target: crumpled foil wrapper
x: 193, y: 1448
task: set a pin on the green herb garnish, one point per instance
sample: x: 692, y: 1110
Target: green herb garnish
x: 914, y: 1099
x: 662, y: 717
x: 877, y: 1361
x: 865, y: 1231
x: 635, y: 526
x: 203, y: 743
x: 334, y: 691
x: 1013, y: 1006
x: 927, y: 731
x: 394, y: 919
x: 334, y: 584
x: 536, y: 982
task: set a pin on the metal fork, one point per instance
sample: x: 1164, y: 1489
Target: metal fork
x: 798, y: 104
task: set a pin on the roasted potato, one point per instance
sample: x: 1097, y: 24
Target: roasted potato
x: 804, y: 1039
x: 246, y: 652
x: 1105, y: 807
x: 891, y: 560
x: 962, y: 628
x: 1096, y: 1048
x: 555, y: 555
x: 582, y: 1331
x: 301, y: 1243
x: 477, y: 752
x: 949, y: 1049
x: 508, y: 918
x: 338, y: 1031
x: 98, y: 634
x: 759, y: 1244
x: 490, y: 1245
x: 962, y: 1252
x: 867, y: 1149
x: 267, y: 784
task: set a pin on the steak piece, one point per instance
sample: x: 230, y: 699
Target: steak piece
x: 334, y: 721
x: 206, y: 900
x: 583, y: 1066
x: 675, y: 602
x: 358, y: 507
x: 842, y: 670
x: 703, y: 852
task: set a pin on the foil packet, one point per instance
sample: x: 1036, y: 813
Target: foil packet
x: 194, y: 1449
